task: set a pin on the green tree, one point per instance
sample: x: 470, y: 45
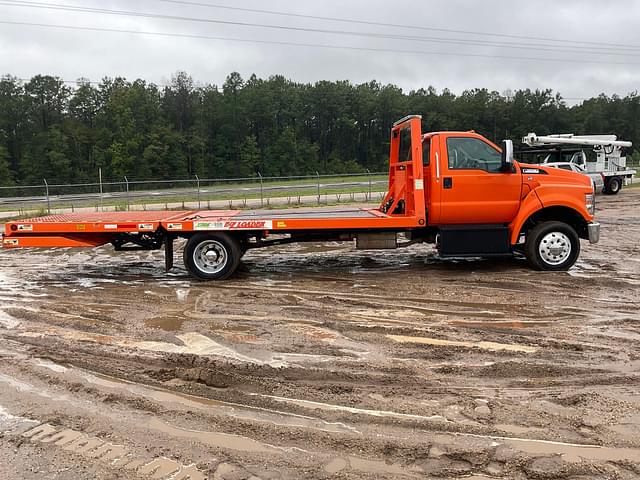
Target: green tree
x: 282, y: 158
x: 233, y: 116
x: 249, y: 157
x: 6, y: 175
x: 85, y: 106
x: 12, y: 121
x: 272, y: 125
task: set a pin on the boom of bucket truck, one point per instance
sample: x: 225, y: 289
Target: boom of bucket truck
x: 609, y: 162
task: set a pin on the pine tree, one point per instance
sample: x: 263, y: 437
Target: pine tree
x: 6, y: 175
x: 249, y: 157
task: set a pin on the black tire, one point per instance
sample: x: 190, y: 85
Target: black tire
x: 552, y: 246
x: 212, y: 256
x: 614, y: 185
x: 243, y: 247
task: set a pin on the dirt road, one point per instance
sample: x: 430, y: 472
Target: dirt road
x: 319, y: 361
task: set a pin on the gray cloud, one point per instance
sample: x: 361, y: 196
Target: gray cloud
x: 26, y: 50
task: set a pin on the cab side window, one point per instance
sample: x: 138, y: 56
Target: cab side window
x: 472, y: 154
x: 426, y: 152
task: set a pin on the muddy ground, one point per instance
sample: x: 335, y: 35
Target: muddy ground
x: 319, y: 361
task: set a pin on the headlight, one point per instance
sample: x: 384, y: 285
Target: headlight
x: 590, y: 203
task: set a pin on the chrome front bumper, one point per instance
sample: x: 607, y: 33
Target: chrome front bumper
x: 594, y: 232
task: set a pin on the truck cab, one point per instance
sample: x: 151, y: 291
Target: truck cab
x: 479, y: 201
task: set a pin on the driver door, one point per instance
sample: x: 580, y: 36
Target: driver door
x: 474, y: 189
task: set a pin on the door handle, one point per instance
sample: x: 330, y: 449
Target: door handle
x: 447, y: 182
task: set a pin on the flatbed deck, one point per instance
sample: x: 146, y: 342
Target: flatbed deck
x: 92, y: 229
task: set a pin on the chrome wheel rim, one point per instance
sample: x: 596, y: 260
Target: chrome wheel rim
x: 555, y: 248
x: 210, y: 256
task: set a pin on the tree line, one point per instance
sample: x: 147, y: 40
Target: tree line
x: 273, y: 126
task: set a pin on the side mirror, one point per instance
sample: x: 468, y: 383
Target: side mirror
x: 507, y: 154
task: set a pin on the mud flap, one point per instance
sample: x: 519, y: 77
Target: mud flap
x: 168, y: 253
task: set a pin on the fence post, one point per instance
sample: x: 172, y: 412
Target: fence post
x: 126, y: 181
x: 46, y: 192
x: 198, y: 186
x: 100, y: 181
x: 318, y: 177
x: 369, y: 175
x: 261, y: 197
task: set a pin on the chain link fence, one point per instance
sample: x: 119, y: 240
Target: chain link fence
x: 192, y: 192
x: 633, y: 162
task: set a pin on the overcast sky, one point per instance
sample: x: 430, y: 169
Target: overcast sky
x: 598, y: 51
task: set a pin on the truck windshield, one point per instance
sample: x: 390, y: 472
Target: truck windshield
x: 560, y: 156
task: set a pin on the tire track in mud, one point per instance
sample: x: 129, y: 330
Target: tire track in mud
x: 572, y: 452
x: 332, y: 467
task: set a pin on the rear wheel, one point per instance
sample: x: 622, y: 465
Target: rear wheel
x: 552, y: 246
x: 614, y: 185
x: 212, y: 256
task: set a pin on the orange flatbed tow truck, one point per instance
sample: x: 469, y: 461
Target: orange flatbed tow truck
x: 455, y: 189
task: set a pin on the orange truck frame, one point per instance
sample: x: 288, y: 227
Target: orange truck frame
x: 455, y: 189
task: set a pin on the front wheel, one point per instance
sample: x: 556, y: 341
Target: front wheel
x: 552, y: 246
x: 212, y: 256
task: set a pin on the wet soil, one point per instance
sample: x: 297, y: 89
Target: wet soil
x: 319, y: 361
